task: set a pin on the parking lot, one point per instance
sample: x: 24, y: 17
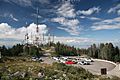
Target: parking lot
x: 94, y: 67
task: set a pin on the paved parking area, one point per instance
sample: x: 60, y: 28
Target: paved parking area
x: 115, y: 71
x: 94, y: 67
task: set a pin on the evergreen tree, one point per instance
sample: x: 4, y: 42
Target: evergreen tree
x: 101, y: 50
x: 110, y: 51
x: 105, y: 52
x: 4, y: 50
x: 116, y: 55
x: 116, y: 51
x: 90, y: 51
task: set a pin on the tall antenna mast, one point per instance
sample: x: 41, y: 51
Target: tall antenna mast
x: 49, y: 39
x: 43, y: 37
x: 37, y: 29
x: 53, y: 38
x: 31, y: 38
x: 26, y: 35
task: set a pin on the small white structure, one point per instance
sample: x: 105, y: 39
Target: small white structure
x: 0, y: 55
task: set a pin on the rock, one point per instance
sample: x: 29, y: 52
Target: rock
x: 17, y: 73
x: 23, y: 74
x: 64, y: 75
x: 55, y: 76
x: 40, y: 75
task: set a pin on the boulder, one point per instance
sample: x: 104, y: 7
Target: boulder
x: 40, y: 74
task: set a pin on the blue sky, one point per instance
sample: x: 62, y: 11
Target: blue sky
x: 74, y: 22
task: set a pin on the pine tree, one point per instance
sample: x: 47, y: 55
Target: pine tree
x: 111, y: 51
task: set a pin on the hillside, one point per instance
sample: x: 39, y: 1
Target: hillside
x: 21, y: 68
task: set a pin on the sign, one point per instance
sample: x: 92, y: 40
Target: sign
x: 103, y: 71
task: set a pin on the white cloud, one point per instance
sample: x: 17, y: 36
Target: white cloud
x: 4, y: 27
x: 94, y: 18
x: 71, y: 31
x: 118, y: 12
x: 89, y: 11
x: 91, y: 18
x: 82, y: 17
x: 71, y: 26
x: 7, y: 31
x: 107, y: 24
x: 73, y: 39
x: 115, y: 9
x: 8, y: 15
x: 80, y: 42
x: 67, y: 19
x: 66, y: 22
x: 12, y: 17
x: 25, y: 3
x: 32, y: 28
x: 66, y: 10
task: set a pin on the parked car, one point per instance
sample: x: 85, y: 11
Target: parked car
x: 62, y: 60
x: 70, y: 62
x: 84, y: 63
x: 56, y: 58
x: 74, y: 60
x: 88, y: 59
x: 36, y: 59
x: 65, y: 58
x: 40, y: 59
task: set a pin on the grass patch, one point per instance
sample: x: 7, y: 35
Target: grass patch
x: 13, y: 68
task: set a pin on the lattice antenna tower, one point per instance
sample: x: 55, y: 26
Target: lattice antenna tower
x: 53, y: 38
x: 26, y: 35
x: 37, y: 30
x: 49, y: 38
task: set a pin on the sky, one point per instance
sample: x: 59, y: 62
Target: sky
x: 73, y: 22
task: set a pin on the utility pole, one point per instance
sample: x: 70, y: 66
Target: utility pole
x: 43, y: 37
x: 49, y: 39
x: 43, y: 40
x: 31, y: 38
x: 53, y: 38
